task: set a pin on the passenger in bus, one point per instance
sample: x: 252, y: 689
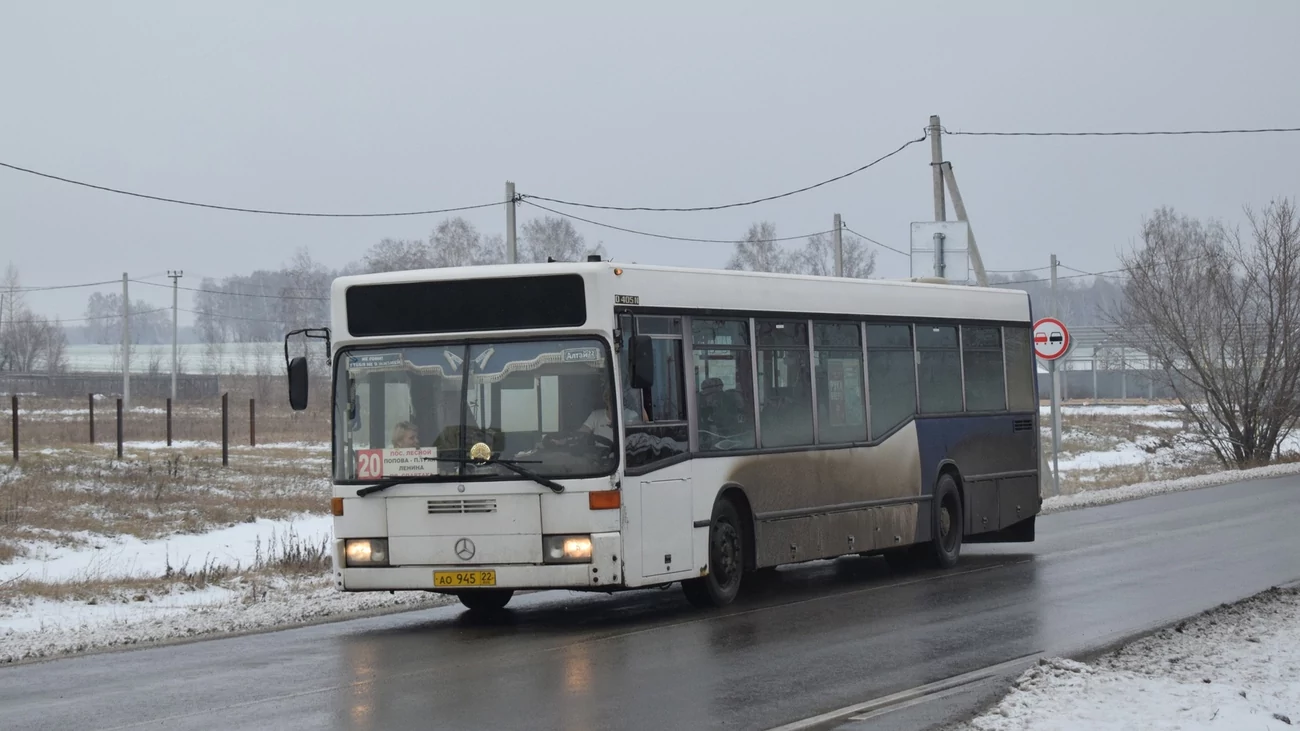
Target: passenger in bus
x: 598, y: 422
x: 406, y: 435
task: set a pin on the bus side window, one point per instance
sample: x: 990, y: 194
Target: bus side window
x: 662, y: 432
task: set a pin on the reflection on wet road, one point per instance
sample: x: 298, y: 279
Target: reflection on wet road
x: 803, y: 641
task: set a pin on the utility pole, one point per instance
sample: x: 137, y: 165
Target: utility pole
x: 176, y: 275
x: 977, y: 262
x: 839, y: 246
x: 126, y: 345
x: 936, y: 167
x: 512, y: 251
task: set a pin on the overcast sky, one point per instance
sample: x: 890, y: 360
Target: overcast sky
x: 333, y: 106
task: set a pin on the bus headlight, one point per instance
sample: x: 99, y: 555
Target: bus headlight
x: 366, y: 551
x: 566, y: 549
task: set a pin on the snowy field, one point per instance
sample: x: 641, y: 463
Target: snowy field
x: 1236, y: 667
x: 167, y: 543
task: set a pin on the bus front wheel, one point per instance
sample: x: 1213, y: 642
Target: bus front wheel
x: 486, y: 600
x: 726, y: 560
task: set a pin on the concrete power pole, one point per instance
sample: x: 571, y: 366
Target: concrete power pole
x: 976, y: 261
x: 936, y: 167
x: 512, y: 251
x: 126, y: 344
x: 838, y: 233
x: 176, y: 275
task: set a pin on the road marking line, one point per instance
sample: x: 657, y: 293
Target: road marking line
x: 919, y: 694
x: 916, y: 701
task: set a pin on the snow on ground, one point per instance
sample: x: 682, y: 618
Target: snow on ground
x: 1126, y: 453
x: 1110, y: 410
x: 1147, y: 489
x: 127, y: 556
x: 72, y: 629
x: 1236, y: 667
x: 178, y: 444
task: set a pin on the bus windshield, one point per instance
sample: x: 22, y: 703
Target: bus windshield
x: 415, y: 411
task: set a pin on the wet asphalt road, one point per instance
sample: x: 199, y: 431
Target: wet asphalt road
x: 812, y: 639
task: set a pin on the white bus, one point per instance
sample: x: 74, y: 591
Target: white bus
x: 603, y: 426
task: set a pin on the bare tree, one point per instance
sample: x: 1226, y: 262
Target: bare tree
x: 28, y: 342
x: 554, y: 237
x: 818, y: 257
x: 149, y: 323
x: 757, y: 252
x: 393, y: 255
x: 1081, y: 302
x: 1220, y: 316
x: 457, y: 243
x: 304, y: 297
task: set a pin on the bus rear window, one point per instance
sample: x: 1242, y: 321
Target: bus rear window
x: 465, y: 305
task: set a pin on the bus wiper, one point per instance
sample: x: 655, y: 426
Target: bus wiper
x: 510, y: 464
x: 514, y: 467
x: 392, y: 481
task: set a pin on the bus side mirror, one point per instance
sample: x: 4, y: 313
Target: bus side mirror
x: 298, y: 383
x: 643, y: 362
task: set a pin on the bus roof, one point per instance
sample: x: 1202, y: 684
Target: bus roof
x: 723, y: 289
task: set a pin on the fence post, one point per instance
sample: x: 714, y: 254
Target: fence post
x: 14, y: 407
x: 169, y: 422
x: 225, y: 429
x: 90, y: 409
x: 252, y: 422
x: 119, y: 429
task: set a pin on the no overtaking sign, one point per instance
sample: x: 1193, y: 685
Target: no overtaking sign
x: 1051, y: 338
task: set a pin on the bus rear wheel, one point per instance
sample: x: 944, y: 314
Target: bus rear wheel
x: 946, y: 524
x: 486, y: 600
x: 726, y: 560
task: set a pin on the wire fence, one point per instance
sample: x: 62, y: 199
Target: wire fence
x: 228, y: 421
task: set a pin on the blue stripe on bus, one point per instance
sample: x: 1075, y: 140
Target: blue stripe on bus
x: 977, y: 445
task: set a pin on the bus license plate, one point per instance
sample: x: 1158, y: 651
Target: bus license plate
x: 464, y: 578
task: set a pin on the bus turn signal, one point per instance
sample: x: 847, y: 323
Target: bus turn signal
x: 604, y: 500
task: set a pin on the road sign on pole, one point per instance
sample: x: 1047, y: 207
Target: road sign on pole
x: 1051, y: 343
x: 1051, y: 339
x: 941, y: 249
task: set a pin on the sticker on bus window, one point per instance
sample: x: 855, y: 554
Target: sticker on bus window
x: 396, y: 462
x: 374, y: 360
x: 581, y: 355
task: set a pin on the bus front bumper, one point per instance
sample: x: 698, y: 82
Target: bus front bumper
x: 604, y: 570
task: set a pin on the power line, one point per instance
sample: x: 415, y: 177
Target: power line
x: 1081, y: 273
x: 806, y: 188
x: 67, y: 286
x: 234, y: 294
x: 666, y: 236
x: 60, y: 321
x: 1021, y: 271
x: 1148, y: 133
x: 230, y: 317
x: 877, y: 243
x: 237, y: 209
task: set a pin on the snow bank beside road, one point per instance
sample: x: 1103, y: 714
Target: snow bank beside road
x: 181, y: 615
x: 127, y: 556
x: 1235, y: 667
x: 1160, y: 487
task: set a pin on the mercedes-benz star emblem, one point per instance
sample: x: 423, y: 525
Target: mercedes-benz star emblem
x: 464, y: 549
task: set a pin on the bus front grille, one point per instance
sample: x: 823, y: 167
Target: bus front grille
x: 461, y: 506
